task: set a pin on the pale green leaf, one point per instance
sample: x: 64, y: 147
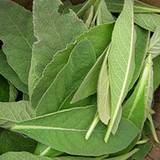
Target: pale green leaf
x: 121, y: 61
x: 10, y: 74
x: 67, y: 80
x: 103, y: 92
x: 15, y: 111
x: 21, y: 156
x: 16, y: 32
x: 148, y: 21
x: 156, y: 71
x: 137, y: 106
x: 53, y: 30
x: 70, y: 126
x: 139, y: 7
x: 141, y: 49
x: 154, y: 46
x: 103, y: 15
x: 13, y: 93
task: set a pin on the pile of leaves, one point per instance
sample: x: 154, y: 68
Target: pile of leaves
x: 77, y: 82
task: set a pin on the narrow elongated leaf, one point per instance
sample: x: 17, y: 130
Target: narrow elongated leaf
x: 67, y: 80
x: 4, y: 90
x: 44, y: 150
x: 141, y: 49
x: 139, y: 7
x: 16, y: 32
x: 10, y: 74
x: 124, y: 156
x: 67, y: 127
x: 15, y: 111
x: 103, y: 92
x: 148, y: 21
x: 53, y: 30
x: 156, y: 71
x: 121, y: 61
x: 10, y: 141
x: 95, y: 35
x: 104, y: 16
x: 137, y: 106
x: 21, y: 156
x: 154, y: 46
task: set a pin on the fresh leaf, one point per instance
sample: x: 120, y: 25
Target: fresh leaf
x: 15, y: 111
x: 21, y: 156
x: 137, y: 106
x: 10, y: 141
x: 139, y: 7
x: 141, y: 49
x: 10, y: 74
x: 103, y: 92
x: 53, y: 33
x: 4, y: 90
x: 121, y: 62
x: 70, y: 126
x: 16, y: 32
x: 103, y: 15
x: 13, y: 93
x: 156, y: 71
x: 148, y: 21
x: 154, y: 46
x: 44, y: 150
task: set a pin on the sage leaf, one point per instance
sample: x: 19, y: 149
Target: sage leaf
x: 15, y: 111
x: 103, y: 92
x: 154, y: 46
x: 139, y: 7
x: 21, y: 156
x: 141, y: 49
x: 53, y: 33
x: 121, y: 61
x: 16, y: 32
x: 44, y: 150
x: 10, y: 74
x: 4, y: 90
x: 124, y: 156
x: 156, y: 71
x: 10, y: 141
x: 148, y: 21
x: 67, y: 127
x: 103, y: 15
x: 67, y: 80
x: 137, y: 106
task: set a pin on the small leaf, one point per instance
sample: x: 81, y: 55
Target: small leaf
x: 154, y: 46
x: 148, y: 21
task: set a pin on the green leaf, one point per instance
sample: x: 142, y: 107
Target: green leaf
x: 44, y: 150
x: 10, y: 141
x: 13, y: 93
x: 139, y: 7
x: 70, y: 126
x: 16, y: 32
x: 154, y: 46
x: 96, y: 37
x: 10, y: 74
x: 148, y: 21
x: 121, y: 62
x: 137, y: 106
x: 15, y: 111
x: 21, y: 156
x: 124, y: 156
x: 4, y: 90
x: 156, y: 71
x: 141, y: 49
x: 53, y: 33
x: 67, y: 80
x: 103, y: 92
x: 104, y: 16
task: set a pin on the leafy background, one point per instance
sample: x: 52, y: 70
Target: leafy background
x: 155, y: 152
